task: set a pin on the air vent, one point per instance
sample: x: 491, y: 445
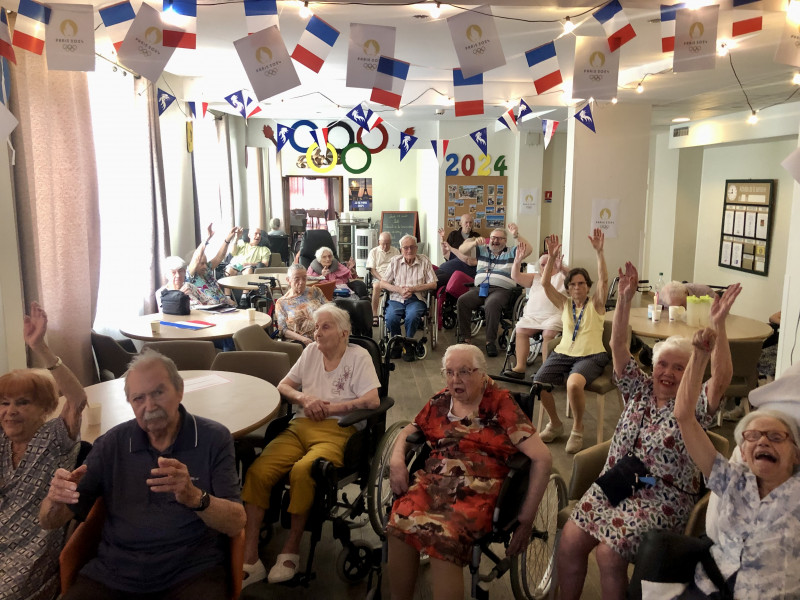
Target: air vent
x: 680, y: 131
x: 422, y: 17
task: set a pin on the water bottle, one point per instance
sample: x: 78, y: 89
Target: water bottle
x: 659, y: 283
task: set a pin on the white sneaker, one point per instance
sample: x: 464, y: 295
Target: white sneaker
x: 734, y: 414
x: 550, y: 433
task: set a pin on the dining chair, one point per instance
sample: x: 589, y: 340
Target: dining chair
x: 266, y: 365
x: 744, y: 356
x: 187, y: 355
x: 253, y: 337
x: 111, y: 357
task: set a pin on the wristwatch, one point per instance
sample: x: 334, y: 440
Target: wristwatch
x: 59, y: 362
x: 205, y: 500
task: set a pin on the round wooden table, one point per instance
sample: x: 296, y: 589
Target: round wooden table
x: 738, y: 328
x: 242, y: 282
x: 242, y: 403
x: 224, y: 325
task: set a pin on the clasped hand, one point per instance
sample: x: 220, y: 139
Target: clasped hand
x: 315, y: 408
x: 172, y: 475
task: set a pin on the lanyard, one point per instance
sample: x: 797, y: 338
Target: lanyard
x: 577, y: 319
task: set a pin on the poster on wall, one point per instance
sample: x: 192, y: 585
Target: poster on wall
x: 605, y: 216
x: 360, y: 194
x: 529, y: 202
x: 482, y: 197
x: 745, y: 236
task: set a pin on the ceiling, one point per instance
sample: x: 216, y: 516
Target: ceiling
x: 215, y: 71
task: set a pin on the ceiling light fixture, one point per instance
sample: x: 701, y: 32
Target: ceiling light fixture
x: 722, y: 49
x: 680, y: 119
x: 436, y: 10
x: 305, y: 12
x: 639, y: 89
x: 569, y: 26
x: 796, y: 79
x: 398, y: 113
x: 753, y: 118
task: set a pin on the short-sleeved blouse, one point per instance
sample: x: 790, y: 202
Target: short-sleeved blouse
x: 296, y: 313
x: 209, y: 288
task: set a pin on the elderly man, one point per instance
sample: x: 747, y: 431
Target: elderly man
x: 175, y: 275
x: 378, y: 264
x: 493, y: 282
x: 675, y: 293
x: 171, y: 492
x: 245, y: 257
x: 408, y: 277
x: 453, y: 264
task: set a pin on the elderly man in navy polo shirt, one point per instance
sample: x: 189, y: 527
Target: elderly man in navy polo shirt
x: 493, y: 282
x: 171, y: 491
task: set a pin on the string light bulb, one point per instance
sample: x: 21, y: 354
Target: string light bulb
x: 796, y: 79
x: 753, y: 118
x: 436, y: 10
x: 639, y: 89
x: 398, y: 112
x: 569, y: 26
x: 305, y: 12
x: 614, y: 100
x: 793, y: 12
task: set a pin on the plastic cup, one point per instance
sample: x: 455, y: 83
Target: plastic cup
x: 656, y: 308
x: 94, y: 412
x: 155, y: 327
x: 674, y: 313
x: 251, y: 314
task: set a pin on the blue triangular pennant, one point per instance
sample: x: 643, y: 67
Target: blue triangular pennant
x: 584, y: 116
x: 165, y: 99
x: 479, y: 137
x: 406, y: 143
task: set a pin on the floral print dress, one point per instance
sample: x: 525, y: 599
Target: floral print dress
x: 656, y: 439
x: 451, y: 501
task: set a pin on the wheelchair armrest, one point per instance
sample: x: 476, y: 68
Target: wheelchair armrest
x: 362, y: 414
x: 415, y: 438
x: 276, y: 426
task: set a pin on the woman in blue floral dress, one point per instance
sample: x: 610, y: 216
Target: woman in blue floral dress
x: 648, y: 430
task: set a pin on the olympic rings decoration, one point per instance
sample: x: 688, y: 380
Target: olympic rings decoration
x: 310, y: 158
x: 381, y: 146
x: 297, y: 124
x: 367, y: 153
x: 350, y: 135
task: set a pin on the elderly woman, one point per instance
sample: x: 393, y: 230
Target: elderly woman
x: 295, y: 309
x: 580, y: 357
x: 325, y: 265
x: 330, y: 379
x: 473, y: 427
x: 176, y: 280
x: 648, y: 431
x: 540, y: 315
x: 200, y: 272
x: 758, y: 549
x: 31, y: 450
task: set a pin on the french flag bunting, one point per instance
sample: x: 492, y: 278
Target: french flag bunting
x: 315, y: 44
x: 468, y: 93
x: 407, y: 141
x: 480, y: 138
x: 389, y: 82
x: 321, y: 137
x: 186, y: 36
x: 260, y: 14
x: 117, y: 19
x: 356, y: 115
x: 165, y: 100
x: 548, y: 129
x: 668, y: 12
x: 584, y: 116
x: 440, y: 149
x: 193, y: 108
x: 543, y: 64
x: 284, y: 135
x: 32, y: 18
x: 6, y: 49
x: 748, y: 20
x: 507, y: 120
x: 616, y: 25
x: 373, y: 118
x: 251, y: 104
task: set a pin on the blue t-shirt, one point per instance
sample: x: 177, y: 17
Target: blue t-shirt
x: 150, y: 541
x: 497, y: 268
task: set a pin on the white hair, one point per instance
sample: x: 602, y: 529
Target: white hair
x: 478, y: 359
x: 675, y: 343
x: 673, y: 293
x: 295, y: 267
x: 174, y: 263
x: 340, y: 316
x: 408, y: 237
x: 320, y: 251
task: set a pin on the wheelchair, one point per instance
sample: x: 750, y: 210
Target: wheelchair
x: 355, y: 560
x: 429, y: 326
x: 512, y: 311
x: 532, y: 571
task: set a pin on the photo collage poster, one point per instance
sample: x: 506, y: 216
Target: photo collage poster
x: 486, y: 198
x: 746, y: 225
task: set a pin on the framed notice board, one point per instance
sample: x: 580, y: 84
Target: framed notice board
x: 400, y: 223
x: 485, y: 197
x: 746, y: 232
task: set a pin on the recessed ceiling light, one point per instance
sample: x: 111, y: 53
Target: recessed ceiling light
x: 680, y: 119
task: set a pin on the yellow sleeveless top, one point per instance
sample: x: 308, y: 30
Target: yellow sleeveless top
x: 590, y: 334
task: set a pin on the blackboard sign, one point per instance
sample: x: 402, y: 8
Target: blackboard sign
x: 400, y: 223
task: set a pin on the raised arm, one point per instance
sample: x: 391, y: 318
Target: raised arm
x: 514, y: 231
x: 697, y: 443
x: 233, y: 235
x: 33, y: 331
x: 553, y: 251
x: 445, y: 246
x: 597, y: 240
x: 721, y: 364
x: 463, y: 251
x: 524, y: 279
x: 620, y: 349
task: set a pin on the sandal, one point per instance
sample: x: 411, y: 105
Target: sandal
x: 253, y: 573
x: 280, y: 572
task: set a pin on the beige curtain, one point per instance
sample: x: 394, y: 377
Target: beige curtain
x: 57, y: 204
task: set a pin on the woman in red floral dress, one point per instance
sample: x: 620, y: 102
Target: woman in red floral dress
x: 472, y: 427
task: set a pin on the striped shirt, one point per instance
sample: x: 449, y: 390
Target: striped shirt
x: 401, y: 274
x: 497, y: 268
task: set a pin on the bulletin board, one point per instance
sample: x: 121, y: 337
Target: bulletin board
x: 746, y: 232
x: 485, y: 197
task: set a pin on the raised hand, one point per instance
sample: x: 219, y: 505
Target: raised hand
x: 513, y: 229
x: 64, y: 485
x: 446, y: 248
x: 628, y: 281
x: 597, y: 239
x: 553, y: 246
x: 34, y: 326
x: 722, y: 305
x: 704, y: 340
x: 172, y: 476
x: 441, y: 233
x: 210, y: 230
x: 522, y: 250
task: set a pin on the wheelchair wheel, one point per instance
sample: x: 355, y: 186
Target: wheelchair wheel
x: 536, y: 349
x: 532, y: 569
x: 476, y: 324
x: 354, y: 564
x: 382, y: 333
x: 379, y: 493
x: 448, y: 318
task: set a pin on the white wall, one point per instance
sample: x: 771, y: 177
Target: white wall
x: 761, y: 296
x: 554, y: 164
x: 660, y: 209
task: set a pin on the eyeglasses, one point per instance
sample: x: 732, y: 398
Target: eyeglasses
x: 461, y: 373
x: 753, y: 435
x: 408, y: 247
x: 495, y: 238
